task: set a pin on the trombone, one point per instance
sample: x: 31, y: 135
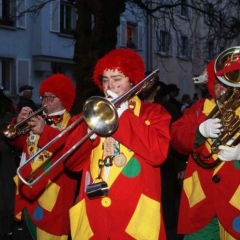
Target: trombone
x: 11, y: 130
x: 100, y: 115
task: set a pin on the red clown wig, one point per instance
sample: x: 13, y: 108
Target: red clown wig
x: 126, y: 61
x: 61, y: 86
x: 211, y: 78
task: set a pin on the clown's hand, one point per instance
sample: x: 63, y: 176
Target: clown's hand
x: 210, y: 128
x: 229, y: 153
x: 93, y: 136
x: 122, y: 107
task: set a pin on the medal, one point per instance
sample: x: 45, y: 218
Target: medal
x: 108, y: 149
x: 120, y: 160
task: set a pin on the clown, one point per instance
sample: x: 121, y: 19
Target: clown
x: 120, y: 190
x: 210, y: 206
x: 44, y: 207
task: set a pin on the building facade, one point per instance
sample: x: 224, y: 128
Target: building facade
x: 39, y: 43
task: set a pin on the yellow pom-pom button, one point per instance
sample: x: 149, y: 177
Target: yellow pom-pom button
x: 147, y: 122
x: 106, y: 201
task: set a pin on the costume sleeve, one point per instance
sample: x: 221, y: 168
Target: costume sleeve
x: 18, y: 141
x: 48, y: 134
x: 147, y: 135
x: 81, y: 154
x: 184, y: 130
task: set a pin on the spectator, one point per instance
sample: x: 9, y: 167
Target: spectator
x: 7, y: 170
x: 149, y: 92
x: 172, y: 172
x: 25, y: 98
x: 186, y: 102
x: 195, y: 98
x: 173, y: 92
x: 130, y: 43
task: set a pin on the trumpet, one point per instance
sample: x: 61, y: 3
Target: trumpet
x: 11, y: 130
x: 100, y: 114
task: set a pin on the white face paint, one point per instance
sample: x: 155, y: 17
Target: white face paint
x: 115, y: 81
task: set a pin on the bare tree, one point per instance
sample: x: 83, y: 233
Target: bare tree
x: 96, y: 28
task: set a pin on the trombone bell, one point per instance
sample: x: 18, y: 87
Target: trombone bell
x: 100, y: 115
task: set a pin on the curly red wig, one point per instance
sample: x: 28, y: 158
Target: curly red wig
x: 61, y: 86
x: 126, y: 61
x: 211, y: 78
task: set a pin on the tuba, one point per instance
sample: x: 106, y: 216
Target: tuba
x: 227, y: 70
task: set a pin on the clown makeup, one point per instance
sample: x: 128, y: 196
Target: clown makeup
x: 115, y: 81
x: 219, y: 89
x: 53, y: 103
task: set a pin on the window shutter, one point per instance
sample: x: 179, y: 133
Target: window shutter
x: 157, y: 40
x: 190, y: 9
x: 216, y: 49
x: 179, y: 45
x: 189, y: 48
x: 140, y: 36
x: 21, y: 7
x: 1, y: 9
x: 170, y: 50
x: 205, y: 51
x: 55, y: 16
x: 23, y: 72
x: 123, y: 33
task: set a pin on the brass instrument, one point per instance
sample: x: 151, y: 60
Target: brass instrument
x: 11, y: 130
x: 100, y: 115
x: 225, y: 107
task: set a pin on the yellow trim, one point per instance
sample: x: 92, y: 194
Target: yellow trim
x: 97, y: 153
x: 47, y: 236
x: 79, y: 222
x: 224, y: 235
x: 235, y: 200
x: 49, y: 197
x: 193, y: 189
x: 145, y: 222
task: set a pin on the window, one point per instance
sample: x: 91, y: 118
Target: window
x: 164, y: 45
x: 210, y: 50
x: 67, y: 17
x: 6, y: 8
x: 183, y: 8
x: 131, y: 35
x: 209, y: 17
x: 57, y: 68
x: 6, y: 69
x: 183, y: 48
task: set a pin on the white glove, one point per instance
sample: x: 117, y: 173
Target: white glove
x: 210, y: 128
x: 122, y: 107
x: 229, y: 153
x: 93, y: 136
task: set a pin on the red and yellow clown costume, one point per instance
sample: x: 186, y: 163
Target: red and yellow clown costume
x: 45, y: 206
x: 207, y: 193
x: 132, y: 207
